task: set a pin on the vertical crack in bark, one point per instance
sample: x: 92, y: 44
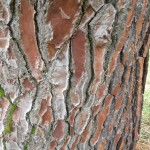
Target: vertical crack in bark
x: 113, y: 2
x: 36, y: 4
x: 145, y: 71
x: 76, y: 27
x: 33, y: 103
x: 141, y: 53
x: 69, y: 80
x: 53, y: 125
x: 107, y: 120
x: 82, y: 12
x: 13, y: 7
x: 134, y: 106
x: 91, y: 56
x: 91, y: 61
x: 120, y: 140
x: 28, y: 114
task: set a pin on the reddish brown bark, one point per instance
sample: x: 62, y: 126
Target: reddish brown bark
x: 72, y: 73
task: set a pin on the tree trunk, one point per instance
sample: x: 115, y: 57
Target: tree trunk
x: 72, y: 73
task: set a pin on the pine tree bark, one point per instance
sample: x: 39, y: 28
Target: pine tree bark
x: 72, y: 73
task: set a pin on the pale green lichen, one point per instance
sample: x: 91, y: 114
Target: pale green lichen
x: 33, y: 130
x: 8, y: 126
x: 2, y: 92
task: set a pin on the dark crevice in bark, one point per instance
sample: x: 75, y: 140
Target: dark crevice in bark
x: 121, y: 56
x: 122, y: 135
x: 91, y: 61
x: 141, y: 53
x: 116, y: 77
x: 22, y: 53
x: 134, y: 105
x: 20, y: 88
x: 36, y: 32
x: 145, y: 71
x: 123, y: 80
x: 118, y: 117
x: 110, y: 145
x: 52, y: 103
x: 79, y: 19
x: 89, y: 36
x: 112, y: 46
x: 33, y: 104
x: 105, y: 132
x: 127, y: 137
x: 119, y: 142
x: 94, y: 123
x: 13, y: 9
x: 113, y: 2
x: 54, y: 120
x: 69, y: 80
x: 28, y: 114
x: 111, y: 83
x: 103, y: 100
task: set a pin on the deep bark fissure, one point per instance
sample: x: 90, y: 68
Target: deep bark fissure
x: 91, y: 56
x: 145, y: 67
x: 134, y: 107
x: 69, y: 80
x: 37, y: 31
x: 13, y: 37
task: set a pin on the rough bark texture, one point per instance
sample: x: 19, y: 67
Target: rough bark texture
x: 72, y: 73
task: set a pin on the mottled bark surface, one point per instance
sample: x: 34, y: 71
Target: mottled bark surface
x: 72, y: 73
